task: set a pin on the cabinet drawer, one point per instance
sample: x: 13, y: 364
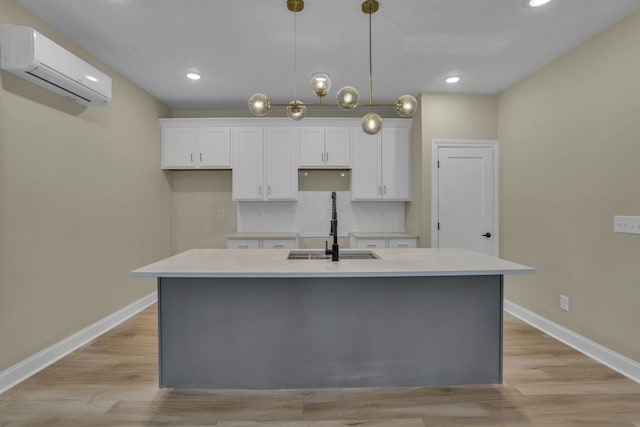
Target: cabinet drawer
x: 243, y: 244
x: 371, y: 243
x: 278, y: 243
x: 403, y: 243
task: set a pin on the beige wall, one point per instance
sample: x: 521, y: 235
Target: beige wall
x: 443, y: 116
x: 570, y: 153
x: 82, y: 202
x: 202, y: 212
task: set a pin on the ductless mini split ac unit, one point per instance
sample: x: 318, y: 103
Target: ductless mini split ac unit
x: 30, y: 55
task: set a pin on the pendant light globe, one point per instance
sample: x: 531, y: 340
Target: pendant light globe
x: 371, y: 123
x: 296, y: 110
x: 320, y: 84
x: 406, y: 106
x: 348, y: 98
x: 259, y: 104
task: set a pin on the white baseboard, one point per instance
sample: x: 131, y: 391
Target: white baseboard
x: 30, y: 366
x: 616, y: 361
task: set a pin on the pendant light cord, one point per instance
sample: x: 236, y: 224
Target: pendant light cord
x: 295, y: 56
x: 370, y: 68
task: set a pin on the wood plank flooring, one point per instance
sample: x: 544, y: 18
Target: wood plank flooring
x: 113, y: 382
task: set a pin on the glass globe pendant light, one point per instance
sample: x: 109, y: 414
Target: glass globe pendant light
x: 347, y: 97
x: 371, y: 122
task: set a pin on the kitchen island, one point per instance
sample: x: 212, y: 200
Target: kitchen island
x: 254, y: 319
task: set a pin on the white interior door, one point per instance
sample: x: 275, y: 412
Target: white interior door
x: 466, y: 197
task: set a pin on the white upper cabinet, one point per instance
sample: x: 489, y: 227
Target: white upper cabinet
x: 248, y: 163
x: 214, y: 147
x: 382, y: 165
x: 396, y: 164
x: 188, y: 147
x: 281, y: 163
x: 178, y: 146
x: 325, y: 147
x: 264, y: 163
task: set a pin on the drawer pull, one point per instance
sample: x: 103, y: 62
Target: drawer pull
x: 243, y: 246
x: 403, y: 245
x: 278, y: 246
x: 372, y: 245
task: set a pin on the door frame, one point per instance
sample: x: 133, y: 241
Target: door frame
x: 436, y: 144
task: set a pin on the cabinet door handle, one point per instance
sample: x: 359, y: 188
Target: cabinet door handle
x: 322, y: 156
x: 327, y: 153
x: 269, y: 189
x: 379, y: 189
x: 384, y: 189
x: 191, y: 156
x: 260, y: 189
x: 200, y: 156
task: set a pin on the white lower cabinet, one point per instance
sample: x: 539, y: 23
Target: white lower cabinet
x: 373, y: 241
x: 266, y: 243
x: 403, y: 243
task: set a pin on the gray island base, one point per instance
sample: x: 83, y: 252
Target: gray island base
x: 331, y: 326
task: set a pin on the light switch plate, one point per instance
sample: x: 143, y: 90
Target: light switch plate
x: 626, y: 224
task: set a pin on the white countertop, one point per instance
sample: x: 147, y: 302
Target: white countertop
x: 382, y: 235
x: 274, y: 263
x: 261, y: 235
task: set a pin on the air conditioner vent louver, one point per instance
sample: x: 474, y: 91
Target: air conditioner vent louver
x: 28, y: 54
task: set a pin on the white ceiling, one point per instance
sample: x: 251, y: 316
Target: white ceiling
x: 245, y: 46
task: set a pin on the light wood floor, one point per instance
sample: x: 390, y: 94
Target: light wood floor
x: 113, y: 382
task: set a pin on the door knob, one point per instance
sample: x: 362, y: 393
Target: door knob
x: 487, y: 235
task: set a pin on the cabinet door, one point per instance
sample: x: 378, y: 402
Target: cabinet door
x: 337, y: 142
x: 178, y: 146
x: 371, y: 243
x: 312, y: 147
x: 403, y: 243
x: 396, y: 164
x: 365, y: 174
x: 281, y: 162
x: 248, y: 164
x: 279, y: 243
x: 243, y: 243
x: 214, y: 147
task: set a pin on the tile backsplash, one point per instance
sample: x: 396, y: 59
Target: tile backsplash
x: 311, y: 214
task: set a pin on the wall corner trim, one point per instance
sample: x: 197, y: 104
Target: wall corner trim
x: 34, y: 364
x: 616, y: 361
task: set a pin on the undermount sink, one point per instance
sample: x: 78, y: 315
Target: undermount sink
x: 320, y: 254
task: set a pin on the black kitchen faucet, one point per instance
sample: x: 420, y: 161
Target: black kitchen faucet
x: 334, y: 231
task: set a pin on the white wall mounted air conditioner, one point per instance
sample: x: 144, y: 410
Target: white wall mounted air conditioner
x: 30, y: 55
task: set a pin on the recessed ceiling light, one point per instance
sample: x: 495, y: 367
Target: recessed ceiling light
x: 537, y: 3
x: 452, y: 79
x: 193, y: 76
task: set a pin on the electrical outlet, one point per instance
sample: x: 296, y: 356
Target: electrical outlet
x: 626, y: 224
x: 564, y: 302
